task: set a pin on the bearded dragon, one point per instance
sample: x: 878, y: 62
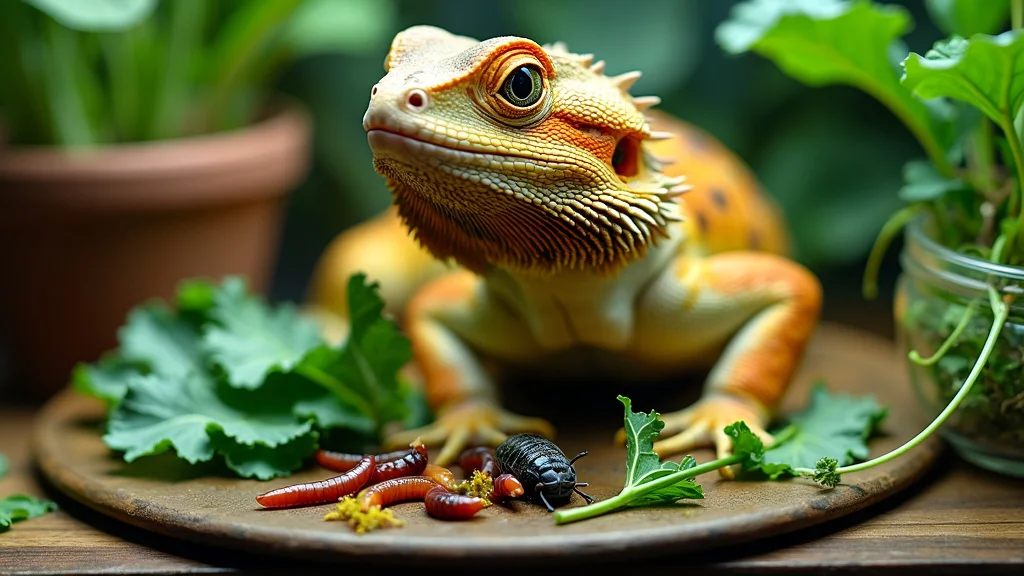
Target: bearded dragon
x: 562, y: 205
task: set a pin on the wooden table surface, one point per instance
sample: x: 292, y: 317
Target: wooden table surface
x: 960, y: 519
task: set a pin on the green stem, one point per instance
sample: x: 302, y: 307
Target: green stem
x: 981, y: 158
x: 335, y: 386
x: 1018, y: 159
x: 964, y: 320
x: 890, y: 229
x: 919, y: 129
x: 629, y: 494
x: 1001, y: 311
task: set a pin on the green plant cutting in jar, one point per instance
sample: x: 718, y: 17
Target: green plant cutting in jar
x: 962, y: 100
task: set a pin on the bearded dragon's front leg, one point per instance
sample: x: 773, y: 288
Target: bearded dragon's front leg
x: 449, y: 322
x: 758, y: 309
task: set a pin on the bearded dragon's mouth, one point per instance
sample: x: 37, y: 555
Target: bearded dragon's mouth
x: 390, y: 143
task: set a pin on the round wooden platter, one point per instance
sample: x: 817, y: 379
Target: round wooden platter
x: 163, y: 495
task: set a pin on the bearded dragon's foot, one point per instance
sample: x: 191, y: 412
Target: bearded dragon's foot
x: 472, y: 422
x: 703, y: 424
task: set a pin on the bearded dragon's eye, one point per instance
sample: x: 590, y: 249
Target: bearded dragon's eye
x: 523, y: 87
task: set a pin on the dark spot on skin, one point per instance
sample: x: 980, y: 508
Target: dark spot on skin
x: 702, y: 221
x: 754, y: 240
x: 719, y: 197
x: 699, y: 141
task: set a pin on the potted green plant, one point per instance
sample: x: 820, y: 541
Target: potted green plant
x: 141, y: 144
x: 958, y: 307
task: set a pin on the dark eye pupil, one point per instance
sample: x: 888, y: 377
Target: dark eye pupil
x: 522, y: 83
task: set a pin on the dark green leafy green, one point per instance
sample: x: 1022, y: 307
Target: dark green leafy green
x: 987, y: 72
x: 250, y: 340
x: 684, y: 490
x: 156, y: 337
x: 18, y: 507
x: 824, y: 42
x: 364, y: 373
x: 836, y: 426
x: 832, y: 424
x: 160, y: 413
x: 106, y: 380
x: 225, y: 375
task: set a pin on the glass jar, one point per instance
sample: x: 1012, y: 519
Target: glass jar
x: 935, y: 291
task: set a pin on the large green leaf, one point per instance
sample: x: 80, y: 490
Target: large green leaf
x: 197, y: 418
x: 157, y: 337
x: 250, y: 339
x: 969, y: 17
x: 832, y: 426
x: 826, y: 42
x: 96, y: 15
x: 986, y: 72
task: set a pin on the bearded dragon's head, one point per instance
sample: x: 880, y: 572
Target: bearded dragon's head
x: 507, y: 153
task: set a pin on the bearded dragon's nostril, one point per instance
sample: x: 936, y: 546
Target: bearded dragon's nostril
x: 416, y: 99
x: 373, y: 91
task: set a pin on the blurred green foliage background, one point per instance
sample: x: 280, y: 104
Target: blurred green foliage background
x: 832, y: 157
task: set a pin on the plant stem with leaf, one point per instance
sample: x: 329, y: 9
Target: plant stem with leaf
x: 1000, y: 310
x: 630, y: 494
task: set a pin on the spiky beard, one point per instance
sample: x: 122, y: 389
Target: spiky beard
x: 600, y: 231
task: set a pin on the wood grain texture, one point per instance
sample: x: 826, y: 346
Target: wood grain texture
x: 958, y: 519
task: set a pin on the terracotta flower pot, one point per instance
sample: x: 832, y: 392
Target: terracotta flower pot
x: 87, y: 235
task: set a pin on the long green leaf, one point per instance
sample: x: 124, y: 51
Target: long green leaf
x: 172, y: 94
x: 244, y: 37
x: 825, y: 42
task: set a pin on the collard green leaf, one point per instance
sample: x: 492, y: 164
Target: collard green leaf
x: 250, y: 340
x: 986, y: 72
x: 160, y: 413
x: 329, y: 412
x: 18, y: 507
x: 922, y: 182
x: 106, y: 380
x: 832, y: 426
x: 641, y: 431
x: 155, y: 337
x: 261, y: 461
x: 96, y: 15
x: 363, y: 374
x: 969, y: 17
x: 825, y: 42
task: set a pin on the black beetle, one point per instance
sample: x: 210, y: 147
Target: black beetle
x: 541, y: 467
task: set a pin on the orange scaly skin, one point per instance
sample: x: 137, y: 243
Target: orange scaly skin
x: 563, y: 207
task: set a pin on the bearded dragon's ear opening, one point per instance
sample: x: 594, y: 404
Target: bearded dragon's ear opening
x: 626, y: 157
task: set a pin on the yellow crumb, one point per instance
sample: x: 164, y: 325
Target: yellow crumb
x: 480, y: 485
x: 362, y: 522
